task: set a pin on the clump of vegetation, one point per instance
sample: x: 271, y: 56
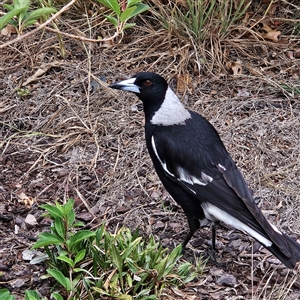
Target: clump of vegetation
x: 20, y: 16
x: 122, y: 11
x: 87, y: 263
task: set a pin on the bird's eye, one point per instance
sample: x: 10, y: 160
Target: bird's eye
x: 147, y: 82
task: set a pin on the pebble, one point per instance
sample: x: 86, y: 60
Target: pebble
x: 30, y: 221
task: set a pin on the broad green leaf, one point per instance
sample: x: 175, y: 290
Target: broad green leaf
x: 46, y: 239
x: 131, y: 247
x: 32, y: 295
x: 78, y: 224
x: 57, y: 296
x: 6, y: 295
x: 127, y: 13
x: 140, y: 8
x: 132, y: 2
x: 70, y: 215
x: 132, y: 265
x: 66, y: 259
x: 36, y: 14
x: 116, y: 258
x: 60, y: 278
x: 7, y: 17
x: 79, y: 236
x: 22, y: 4
x: 68, y: 206
x: 59, y: 227
x: 112, y: 4
x: 52, y: 210
x: 79, y: 256
x: 112, y: 20
x: 28, y: 23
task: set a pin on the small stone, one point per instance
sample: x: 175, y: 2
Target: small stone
x: 28, y: 254
x: 226, y: 279
x: 30, y: 221
x: 159, y: 225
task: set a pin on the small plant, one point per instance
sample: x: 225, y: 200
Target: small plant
x: 123, y: 11
x: 96, y: 264
x: 22, y: 92
x: 20, y: 17
x: 29, y: 295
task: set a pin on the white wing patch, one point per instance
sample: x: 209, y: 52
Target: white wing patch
x: 183, y: 175
x: 163, y: 164
x: 186, y: 177
x: 221, y: 167
x: 171, y: 112
x: 214, y: 213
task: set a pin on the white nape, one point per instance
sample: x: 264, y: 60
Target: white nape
x: 214, y: 213
x: 171, y: 112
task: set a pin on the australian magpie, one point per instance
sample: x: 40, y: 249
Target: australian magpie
x: 196, y: 169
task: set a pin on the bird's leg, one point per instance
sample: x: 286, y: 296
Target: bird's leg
x: 194, y: 224
x: 213, y: 242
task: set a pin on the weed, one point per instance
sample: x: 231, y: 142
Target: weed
x: 20, y: 17
x: 122, y: 11
x: 98, y: 263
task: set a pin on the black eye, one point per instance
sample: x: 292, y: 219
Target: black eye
x: 147, y: 82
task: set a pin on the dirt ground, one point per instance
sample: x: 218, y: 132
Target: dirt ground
x: 73, y: 137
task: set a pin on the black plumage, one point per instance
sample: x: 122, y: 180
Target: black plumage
x: 196, y: 169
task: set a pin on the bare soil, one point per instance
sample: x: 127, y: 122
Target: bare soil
x: 73, y: 137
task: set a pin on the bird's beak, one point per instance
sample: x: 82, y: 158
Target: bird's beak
x: 126, y: 85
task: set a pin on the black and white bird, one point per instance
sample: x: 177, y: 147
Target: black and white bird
x: 196, y: 169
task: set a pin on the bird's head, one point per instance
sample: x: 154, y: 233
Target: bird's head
x: 161, y: 105
x: 149, y: 87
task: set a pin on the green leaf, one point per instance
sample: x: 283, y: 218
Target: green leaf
x: 5, y: 295
x: 132, y: 246
x: 60, y: 278
x: 8, y: 7
x: 80, y: 256
x: 7, y: 17
x: 129, y: 25
x: 127, y: 13
x: 80, y: 236
x: 46, y: 239
x: 78, y: 224
x: 132, y: 266
x: 28, y: 23
x: 22, y: 4
x: 133, y: 11
x: 66, y: 259
x: 53, y: 211
x: 40, y: 12
x: 68, y: 206
x: 116, y: 258
x: 112, y: 4
x: 57, y: 296
x: 112, y: 20
x: 59, y: 227
x: 70, y: 215
x: 32, y: 295
x: 132, y: 2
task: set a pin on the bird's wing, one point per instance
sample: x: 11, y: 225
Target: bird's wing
x: 203, y: 167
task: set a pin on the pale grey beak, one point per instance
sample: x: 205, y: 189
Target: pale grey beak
x: 126, y: 85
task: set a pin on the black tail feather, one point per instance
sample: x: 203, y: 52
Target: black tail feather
x: 294, y: 249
